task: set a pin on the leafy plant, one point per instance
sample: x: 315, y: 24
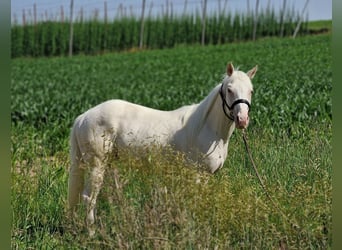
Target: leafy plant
x: 155, y: 200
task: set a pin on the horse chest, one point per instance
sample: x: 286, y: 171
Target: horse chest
x: 216, y: 156
x: 213, y: 149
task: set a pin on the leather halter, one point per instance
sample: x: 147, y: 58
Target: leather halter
x: 230, y: 108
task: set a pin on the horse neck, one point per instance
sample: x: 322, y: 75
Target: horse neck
x: 209, y: 114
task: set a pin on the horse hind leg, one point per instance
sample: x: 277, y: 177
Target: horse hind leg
x: 91, y: 191
x: 76, y: 174
x: 75, y: 186
x: 96, y: 156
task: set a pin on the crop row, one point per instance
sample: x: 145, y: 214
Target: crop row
x: 292, y: 87
x: 95, y: 36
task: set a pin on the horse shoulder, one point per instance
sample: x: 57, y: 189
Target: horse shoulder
x: 213, y: 148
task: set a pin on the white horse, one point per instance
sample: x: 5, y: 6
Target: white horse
x: 201, y: 131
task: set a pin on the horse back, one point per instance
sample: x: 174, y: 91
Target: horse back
x: 126, y: 124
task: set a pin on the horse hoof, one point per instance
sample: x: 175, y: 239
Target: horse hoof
x: 91, y: 232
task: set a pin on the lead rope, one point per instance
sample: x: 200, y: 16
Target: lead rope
x: 293, y: 225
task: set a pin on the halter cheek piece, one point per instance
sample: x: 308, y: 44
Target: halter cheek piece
x: 230, y: 108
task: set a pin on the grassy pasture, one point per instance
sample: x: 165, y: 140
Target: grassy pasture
x: 153, y: 201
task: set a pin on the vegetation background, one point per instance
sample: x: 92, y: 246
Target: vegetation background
x: 157, y: 202
x: 58, y: 36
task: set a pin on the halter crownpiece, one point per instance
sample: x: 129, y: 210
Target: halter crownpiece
x: 230, y: 108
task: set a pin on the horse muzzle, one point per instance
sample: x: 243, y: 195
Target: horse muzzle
x: 242, y: 121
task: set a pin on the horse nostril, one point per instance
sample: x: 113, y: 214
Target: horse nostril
x: 242, y: 121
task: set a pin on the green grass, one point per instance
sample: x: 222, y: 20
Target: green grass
x: 159, y: 202
x: 320, y: 26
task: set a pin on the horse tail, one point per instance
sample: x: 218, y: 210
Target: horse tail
x: 76, y: 172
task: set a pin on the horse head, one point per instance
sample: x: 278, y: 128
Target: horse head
x: 236, y: 93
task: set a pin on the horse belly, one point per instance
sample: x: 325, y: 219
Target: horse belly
x: 139, y: 135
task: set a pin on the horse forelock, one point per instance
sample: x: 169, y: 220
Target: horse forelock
x: 238, y: 76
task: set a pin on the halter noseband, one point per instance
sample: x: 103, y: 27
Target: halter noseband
x: 230, y: 108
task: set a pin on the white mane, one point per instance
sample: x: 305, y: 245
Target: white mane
x: 199, y: 116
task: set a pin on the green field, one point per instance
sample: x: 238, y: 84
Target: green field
x: 320, y: 26
x: 160, y: 203
x: 94, y: 36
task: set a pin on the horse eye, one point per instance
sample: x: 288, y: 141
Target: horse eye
x: 230, y: 91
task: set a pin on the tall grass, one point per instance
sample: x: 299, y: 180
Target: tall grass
x: 94, y: 36
x: 154, y: 200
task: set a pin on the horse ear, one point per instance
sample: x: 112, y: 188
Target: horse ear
x: 230, y: 69
x: 252, y: 72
